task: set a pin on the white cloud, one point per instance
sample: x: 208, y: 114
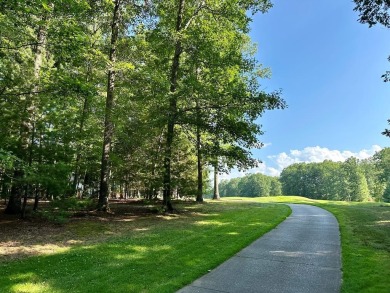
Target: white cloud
x: 318, y: 154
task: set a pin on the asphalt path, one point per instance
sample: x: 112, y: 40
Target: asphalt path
x: 302, y: 254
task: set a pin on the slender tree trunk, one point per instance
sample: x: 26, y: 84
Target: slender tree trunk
x: 36, y: 199
x: 30, y: 159
x: 108, y: 123
x: 216, y: 188
x: 78, y: 156
x: 37, y: 189
x: 199, y: 194
x: 172, y: 112
x: 24, y: 204
x: 152, y: 185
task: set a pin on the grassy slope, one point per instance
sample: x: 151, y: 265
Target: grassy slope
x: 160, y: 254
x: 365, y: 237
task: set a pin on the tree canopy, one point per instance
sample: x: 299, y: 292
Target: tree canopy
x: 126, y: 98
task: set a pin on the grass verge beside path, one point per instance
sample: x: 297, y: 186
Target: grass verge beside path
x: 365, y: 241
x: 156, y: 254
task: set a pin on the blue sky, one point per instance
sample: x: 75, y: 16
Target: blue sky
x: 329, y: 67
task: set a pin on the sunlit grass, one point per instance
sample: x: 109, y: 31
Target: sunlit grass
x: 161, y: 254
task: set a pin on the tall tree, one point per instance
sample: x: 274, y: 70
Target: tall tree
x: 172, y: 111
x: 190, y: 18
x: 110, y: 100
x: 28, y: 103
x: 382, y: 163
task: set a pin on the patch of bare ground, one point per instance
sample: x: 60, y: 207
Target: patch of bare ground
x: 35, y: 236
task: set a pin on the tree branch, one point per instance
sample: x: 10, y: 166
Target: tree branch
x: 201, y: 5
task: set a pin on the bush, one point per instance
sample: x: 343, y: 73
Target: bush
x: 73, y: 204
x: 61, y: 210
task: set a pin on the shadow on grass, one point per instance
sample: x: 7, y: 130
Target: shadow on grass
x: 172, y: 252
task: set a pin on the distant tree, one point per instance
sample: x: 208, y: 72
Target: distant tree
x: 232, y: 188
x: 251, y: 185
x: 356, y: 183
x: 326, y: 180
x: 386, y: 193
x: 382, y: 163
x: 276, y: 187
x: 372, y: 173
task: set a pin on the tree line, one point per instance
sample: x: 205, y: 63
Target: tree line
x: 251, y: 185
x: 352, y: 180
x: 122, y: 97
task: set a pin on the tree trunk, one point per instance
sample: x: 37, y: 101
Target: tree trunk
x: 172, y: 112
x: 14, y: 205
x: 84, y: 114
x: 37, y: 188
x: 216, y: 188
x: 36, y: 199
x: 199, y: 194
x: 24, y: 204
x: 30, y: 159
x: 108, y: 123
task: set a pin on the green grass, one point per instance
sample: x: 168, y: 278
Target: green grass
x: 157, y: 254
x: 162, y: 254
x: 365, y: 240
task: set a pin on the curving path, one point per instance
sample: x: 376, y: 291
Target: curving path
x: 300, y: 255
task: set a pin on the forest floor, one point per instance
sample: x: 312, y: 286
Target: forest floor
x: 37, y: 236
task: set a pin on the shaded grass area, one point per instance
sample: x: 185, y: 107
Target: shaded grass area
x: 156, y: 254
x: 365, y: 241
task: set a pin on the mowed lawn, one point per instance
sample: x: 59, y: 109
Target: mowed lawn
x: 151, y: 253
x: 157, y: 253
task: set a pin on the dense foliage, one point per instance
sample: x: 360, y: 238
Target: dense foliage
x: 352, y: 180
x: 251, y: 185
x: 121, y: 98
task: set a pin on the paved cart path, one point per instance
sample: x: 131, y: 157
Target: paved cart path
x: 300, y: 255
